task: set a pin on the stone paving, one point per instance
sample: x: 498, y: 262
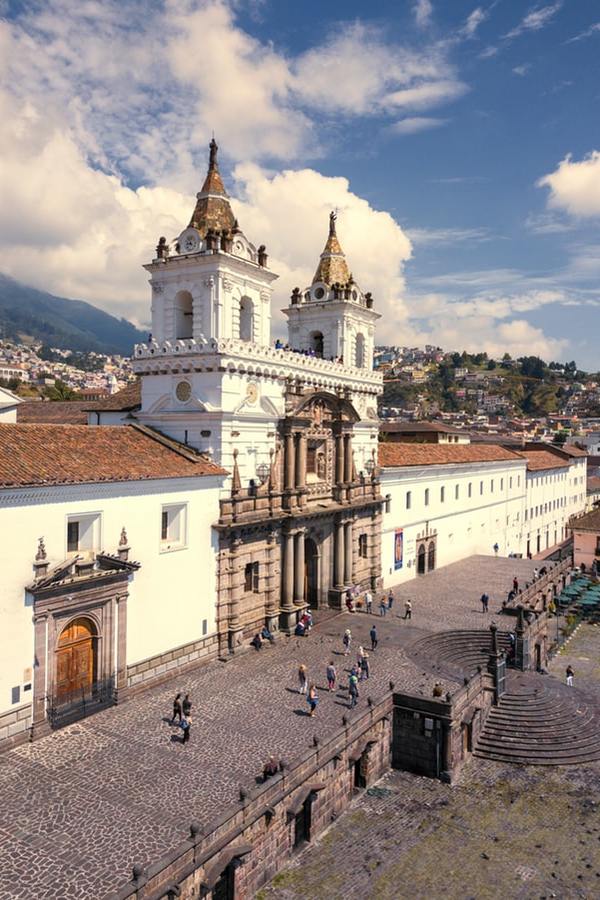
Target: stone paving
x: 80, y: 807
x: 502, y: 831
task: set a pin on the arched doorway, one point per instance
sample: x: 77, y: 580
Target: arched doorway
x: 311, y: 567
x: 316, y: 343
x: 421, y: 560
x: 76, y: 660
x: 184, y: 315
x: 431, y: 557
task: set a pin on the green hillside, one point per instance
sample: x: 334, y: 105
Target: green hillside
x: 26, y: 313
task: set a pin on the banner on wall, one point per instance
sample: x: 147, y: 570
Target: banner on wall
x: 398, y: 548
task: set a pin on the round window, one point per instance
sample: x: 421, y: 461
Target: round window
x: 319, y: 293
x: 183, y: 391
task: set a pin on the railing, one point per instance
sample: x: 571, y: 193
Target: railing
x: 80, y: 702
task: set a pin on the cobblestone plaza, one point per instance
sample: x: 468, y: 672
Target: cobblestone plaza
x: 81, y: 806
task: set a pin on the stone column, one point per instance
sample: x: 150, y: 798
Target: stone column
x: 272, y: 577
x: 121, y: 647
x: 375, y: 549
x: 347, y: 458
x: 40, y: 724
x: 299, y: 573
x: 288, y: 611
x: 339, y: 459
x: 338, y: 565
x: 348, y: 534
x: 236, y: 590
x: 301, y: 467
x: 289, y: 462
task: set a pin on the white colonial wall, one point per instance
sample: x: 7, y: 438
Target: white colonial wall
x: 171, y: 595
x: 553, y: 495
x: 464, y: 525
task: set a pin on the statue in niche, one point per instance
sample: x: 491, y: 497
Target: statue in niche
x: 321, y: 466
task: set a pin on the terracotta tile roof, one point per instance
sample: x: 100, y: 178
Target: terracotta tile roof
x: 593, y: 484
x: 399, y: 454
x: 416, y: 427
x: 128, y: 398
x: 537, y: 460
x: 572, y: 450
x: 589, y: 522
x: 45, y: 454
x: 54, y: 412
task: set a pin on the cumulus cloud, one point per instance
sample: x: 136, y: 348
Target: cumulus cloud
x: 414, y: 124
x: 536, y: 19
x: 575, y: 186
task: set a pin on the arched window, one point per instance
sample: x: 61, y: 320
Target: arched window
x: 431, y: 557
x: 184, y: 315
x: 421, y: 560
x: 246, y: 319
x: 316, y: 343
x: 360, y: 351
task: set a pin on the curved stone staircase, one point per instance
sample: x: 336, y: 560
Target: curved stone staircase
x: 456, y: 652
x: 540, y: 721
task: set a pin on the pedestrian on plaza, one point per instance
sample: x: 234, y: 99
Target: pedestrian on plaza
x: 408, y: 610
x: 177, y: 709
x: 368, y: 601
x: 186, y: 724
x: 496, y: 548
x: 331, y: 676
x: 390, y: 600
x: 484, y: 602
x: 187, y: 705
x: 302, y: 679
x: 353, y: 690
x: 257, y: 641
x: 364, y: 667
x: 347, y: 640
x: 359, y: 655
x: 535, y: 573
x: 312, y: 699
x: 515, y: 584
x: 437, y: 689
x: 270, y: 768
x: 373, y: 636
x: 570, y: 673
x: 382, y: 606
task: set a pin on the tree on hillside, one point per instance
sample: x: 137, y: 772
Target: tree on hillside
x: 60, y: 391
x: 532, y: 366
x: 491, y: 365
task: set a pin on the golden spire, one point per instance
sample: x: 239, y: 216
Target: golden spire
x: 332, y: 268
x: 212, y: 211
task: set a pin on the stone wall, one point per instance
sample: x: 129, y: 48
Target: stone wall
x: 15, y: 726
x: 257, y: 836
x: 161, y: 667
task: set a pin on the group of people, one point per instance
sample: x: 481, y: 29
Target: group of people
x: 260, y: 637
x: 360, y: 671
x: 385, y: 603
x: 280, y: 345
x: 304, y: 624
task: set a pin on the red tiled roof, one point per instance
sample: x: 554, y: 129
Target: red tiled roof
x: 54, y: 412
x: 417, y: 427
x: 45, y: 454
x: 537, y: 460
x: 589, y: 522
x: 572, y: 450
x: 593, y: 484
x: 129, y: 397
x: 399, y: 454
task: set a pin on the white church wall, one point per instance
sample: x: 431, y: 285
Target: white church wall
x: 548, y: 507
x: 173, y: 595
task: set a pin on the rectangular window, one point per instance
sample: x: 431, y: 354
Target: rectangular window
x: 204, y: 626
x: 173, y: 521
x: 83, y: 533
x: 426, y: 496
x: 492, y: 486
x: 456, y: 491
x: 408, y: 499
x: 502, y: 484
x: 481, y: 487
x: 362, y: 546
x: 510, y: 482
x: 251, y: 578
x: 442, y: 494
x: 470, y: 490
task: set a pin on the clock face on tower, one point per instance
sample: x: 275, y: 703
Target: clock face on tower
x: 189, y: 241
x: 183, y: 391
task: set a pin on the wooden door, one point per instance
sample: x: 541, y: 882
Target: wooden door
x: 75, y: 662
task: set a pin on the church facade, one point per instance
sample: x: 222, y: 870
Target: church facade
x: 296, y: 425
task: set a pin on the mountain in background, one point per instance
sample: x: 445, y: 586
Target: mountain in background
x: 26, y: 313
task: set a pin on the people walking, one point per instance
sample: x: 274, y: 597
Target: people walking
x: 390, y: 601
x: 408, y: 610
x: 359, y: 655
x: 368, y: 602
x: 177, y: 709
x: 187, y: 705
x: 373, y: 636
x: 312, y: 699
x: 347, y: 640
x: 496, y: 548
x: 570, y: 673
x: 302, y: 679
x: 353, y: 690
x: 515, y: 584
x: 364, y: 667
x: 484, y: 602
x: 331, y: 676
x: 186, y: 724
x: 382, y: 606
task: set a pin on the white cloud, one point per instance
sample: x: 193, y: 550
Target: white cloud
x: 415, y: 124
x: 548, y: 223
x: 575, y: 186
x: 423, y: 10
x: 589, y: 32
x: 522, y: 70
x: 488, y: 52
x: 423, y: 96
x: 474, y: 20
x: 427, y: 236
x: 536, y: 18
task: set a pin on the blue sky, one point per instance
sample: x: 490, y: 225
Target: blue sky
x: 459, y: 141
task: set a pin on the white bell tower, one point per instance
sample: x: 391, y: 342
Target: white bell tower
x: 332, y: 318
